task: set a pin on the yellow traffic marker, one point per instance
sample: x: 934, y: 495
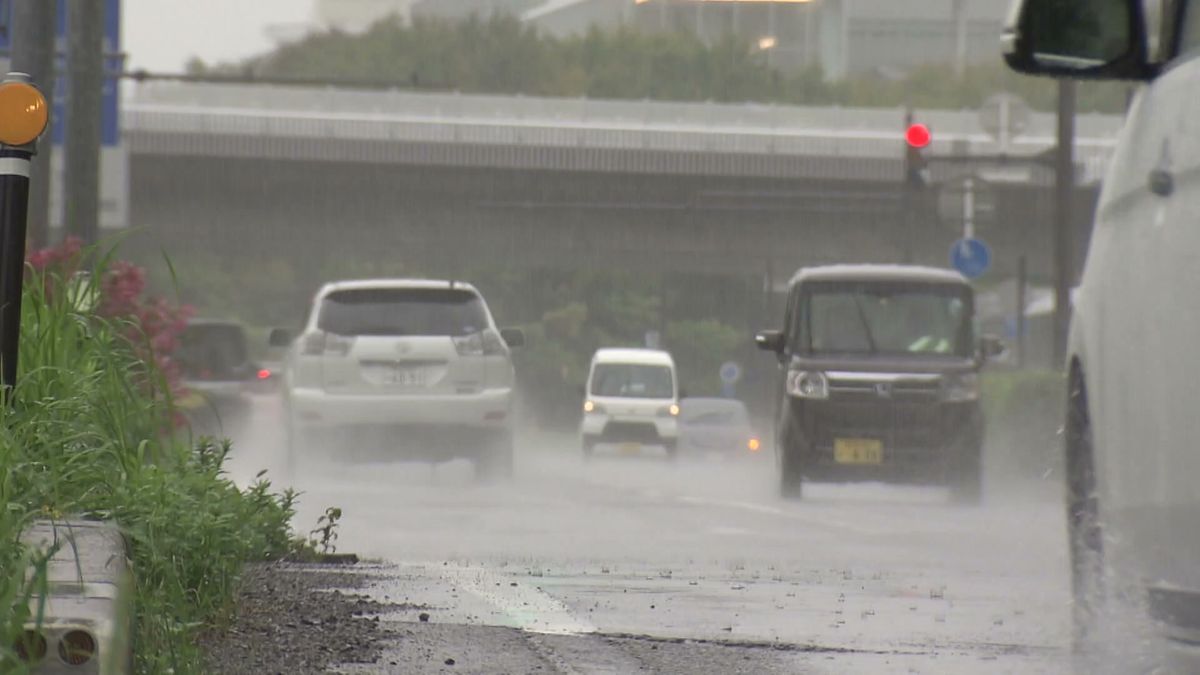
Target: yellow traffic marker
x: 23, y: 113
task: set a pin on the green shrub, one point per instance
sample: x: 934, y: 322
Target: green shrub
x: 91, y: 430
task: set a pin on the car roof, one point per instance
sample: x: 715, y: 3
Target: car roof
x: 878, y: 273
x: 639, y: 356
x: 363, y: 284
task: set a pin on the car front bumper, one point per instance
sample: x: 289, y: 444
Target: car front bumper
x: 621, y: 429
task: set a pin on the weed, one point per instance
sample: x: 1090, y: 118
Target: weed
x: 325, y: 535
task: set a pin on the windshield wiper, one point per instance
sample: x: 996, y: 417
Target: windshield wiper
x: 862, y: 316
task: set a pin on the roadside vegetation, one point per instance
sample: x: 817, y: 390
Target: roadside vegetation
x: 500, y: 55
x: 91, y: 430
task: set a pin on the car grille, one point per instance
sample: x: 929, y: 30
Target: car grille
x: 907, y: 416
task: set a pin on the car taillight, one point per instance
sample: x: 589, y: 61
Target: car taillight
x: 264, y: 374
x: 486, y: 343
x: 321, y: 342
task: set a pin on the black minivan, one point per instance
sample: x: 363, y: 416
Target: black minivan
x: 879, y: 380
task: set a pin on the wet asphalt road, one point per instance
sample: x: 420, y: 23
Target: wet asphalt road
x: 605, y: 566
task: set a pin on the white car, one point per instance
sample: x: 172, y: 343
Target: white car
x: 1133, y: 465
x: 401, y: 369
x: 632, y: 399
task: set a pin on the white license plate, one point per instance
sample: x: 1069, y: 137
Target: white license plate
x: 395, y: 375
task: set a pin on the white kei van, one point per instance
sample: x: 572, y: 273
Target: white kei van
x: 632, y: 398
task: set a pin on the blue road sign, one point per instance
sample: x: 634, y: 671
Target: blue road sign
x: 114, y: 63
x: 730, y: 372
x: 971, y: 257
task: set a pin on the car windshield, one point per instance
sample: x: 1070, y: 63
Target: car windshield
x: 632, y: 380
x: 212, y: 351
x: 402, y: 311
x: 886, y: 318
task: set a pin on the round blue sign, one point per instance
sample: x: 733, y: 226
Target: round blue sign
x: 971, y: 257
x: 730, y: 372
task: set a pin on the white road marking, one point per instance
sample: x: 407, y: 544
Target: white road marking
x: 527, y: 607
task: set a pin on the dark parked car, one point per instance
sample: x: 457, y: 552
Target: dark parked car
x: 218, y: 375
x: 879, y: 378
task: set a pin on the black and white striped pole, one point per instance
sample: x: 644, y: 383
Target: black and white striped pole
x: 23, y: 118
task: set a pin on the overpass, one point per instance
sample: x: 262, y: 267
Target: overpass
x: 448, y: 182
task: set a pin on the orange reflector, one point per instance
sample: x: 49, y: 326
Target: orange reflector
x: 23, y: 113
x: 753, y: 444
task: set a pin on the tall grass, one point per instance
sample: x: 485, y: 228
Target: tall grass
x: 90, y: 429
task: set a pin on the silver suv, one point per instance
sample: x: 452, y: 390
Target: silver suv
x: 401, y: 369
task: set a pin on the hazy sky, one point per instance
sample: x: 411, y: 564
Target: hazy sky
x: 161, y: 35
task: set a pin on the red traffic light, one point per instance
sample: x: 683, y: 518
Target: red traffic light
x: 918, y: 136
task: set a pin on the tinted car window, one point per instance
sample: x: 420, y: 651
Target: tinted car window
x: 212, y: 351
x: 402, y: 311
x: 632, y: 381
x: 933, y: 319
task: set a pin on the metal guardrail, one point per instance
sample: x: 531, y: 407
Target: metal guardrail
x: 87, y: 615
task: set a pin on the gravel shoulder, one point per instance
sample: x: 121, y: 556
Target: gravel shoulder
x: 299, y: 620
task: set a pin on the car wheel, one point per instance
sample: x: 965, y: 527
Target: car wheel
x: 791, y: 468
x: 496, y: 462
x: 672, y: 451
x: 1085, y: 536
x: 589, y: 446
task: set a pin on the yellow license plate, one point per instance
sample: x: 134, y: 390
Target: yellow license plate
x: 631, y: 448
x: 858, y: 451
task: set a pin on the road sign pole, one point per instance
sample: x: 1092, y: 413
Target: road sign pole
x: 969, y: 209
x: 23, y: 117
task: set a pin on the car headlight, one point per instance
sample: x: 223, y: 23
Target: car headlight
x: 963, y: 387
x: 807, y: 384
x: 592, y: 407
x: 669, y: 410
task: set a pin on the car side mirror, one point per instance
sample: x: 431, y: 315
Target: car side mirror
x: 513, y: 337
x: 770, y: 341
x: 1102, y: 39
x: 280, y: 337
x: 991, y: 347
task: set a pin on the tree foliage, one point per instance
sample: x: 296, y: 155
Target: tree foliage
x: 501, y: 55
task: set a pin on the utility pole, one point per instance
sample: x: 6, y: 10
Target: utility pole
x: 1064, y: 195
x: 85, y: 82
x: 33, y: 48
